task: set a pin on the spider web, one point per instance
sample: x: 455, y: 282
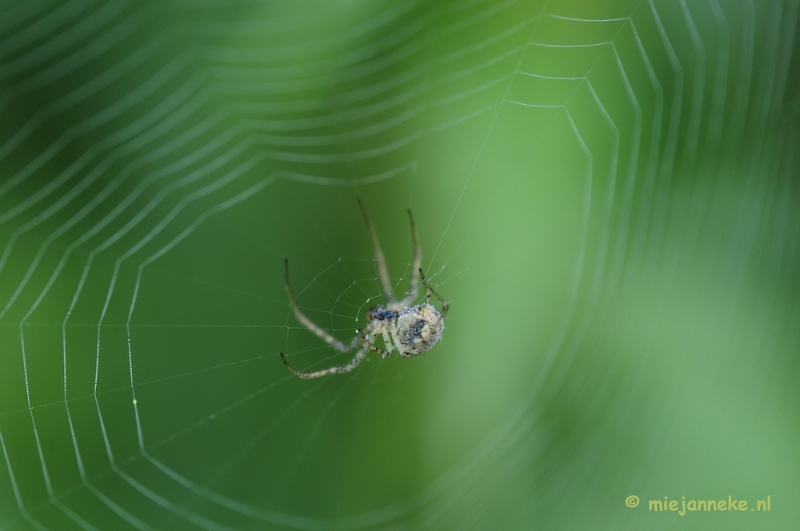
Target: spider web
x: 604, y: 193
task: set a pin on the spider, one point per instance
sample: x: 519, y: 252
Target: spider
x: 411, y: 330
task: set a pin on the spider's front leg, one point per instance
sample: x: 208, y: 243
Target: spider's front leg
x: 339, y: 369
x: 322, y: 334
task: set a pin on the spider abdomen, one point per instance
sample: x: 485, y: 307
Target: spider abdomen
x: 419, y: 328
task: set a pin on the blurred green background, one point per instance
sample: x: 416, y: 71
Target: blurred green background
x: 606, y: 195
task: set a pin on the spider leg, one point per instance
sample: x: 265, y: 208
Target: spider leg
x: 373, y: 348
x: 409, y: 299
x: 338, y: 369
x: 322, y: 334
x: 380, y: 261
x: 429, y: 290
x: 388, y: 343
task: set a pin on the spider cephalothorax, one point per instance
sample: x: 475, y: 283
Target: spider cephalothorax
x: 411, y: 330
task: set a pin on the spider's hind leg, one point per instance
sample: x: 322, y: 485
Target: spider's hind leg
x: 409, y: 299
x: 380, y: 261
x: 368, y: 342
x: 429, y: 290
